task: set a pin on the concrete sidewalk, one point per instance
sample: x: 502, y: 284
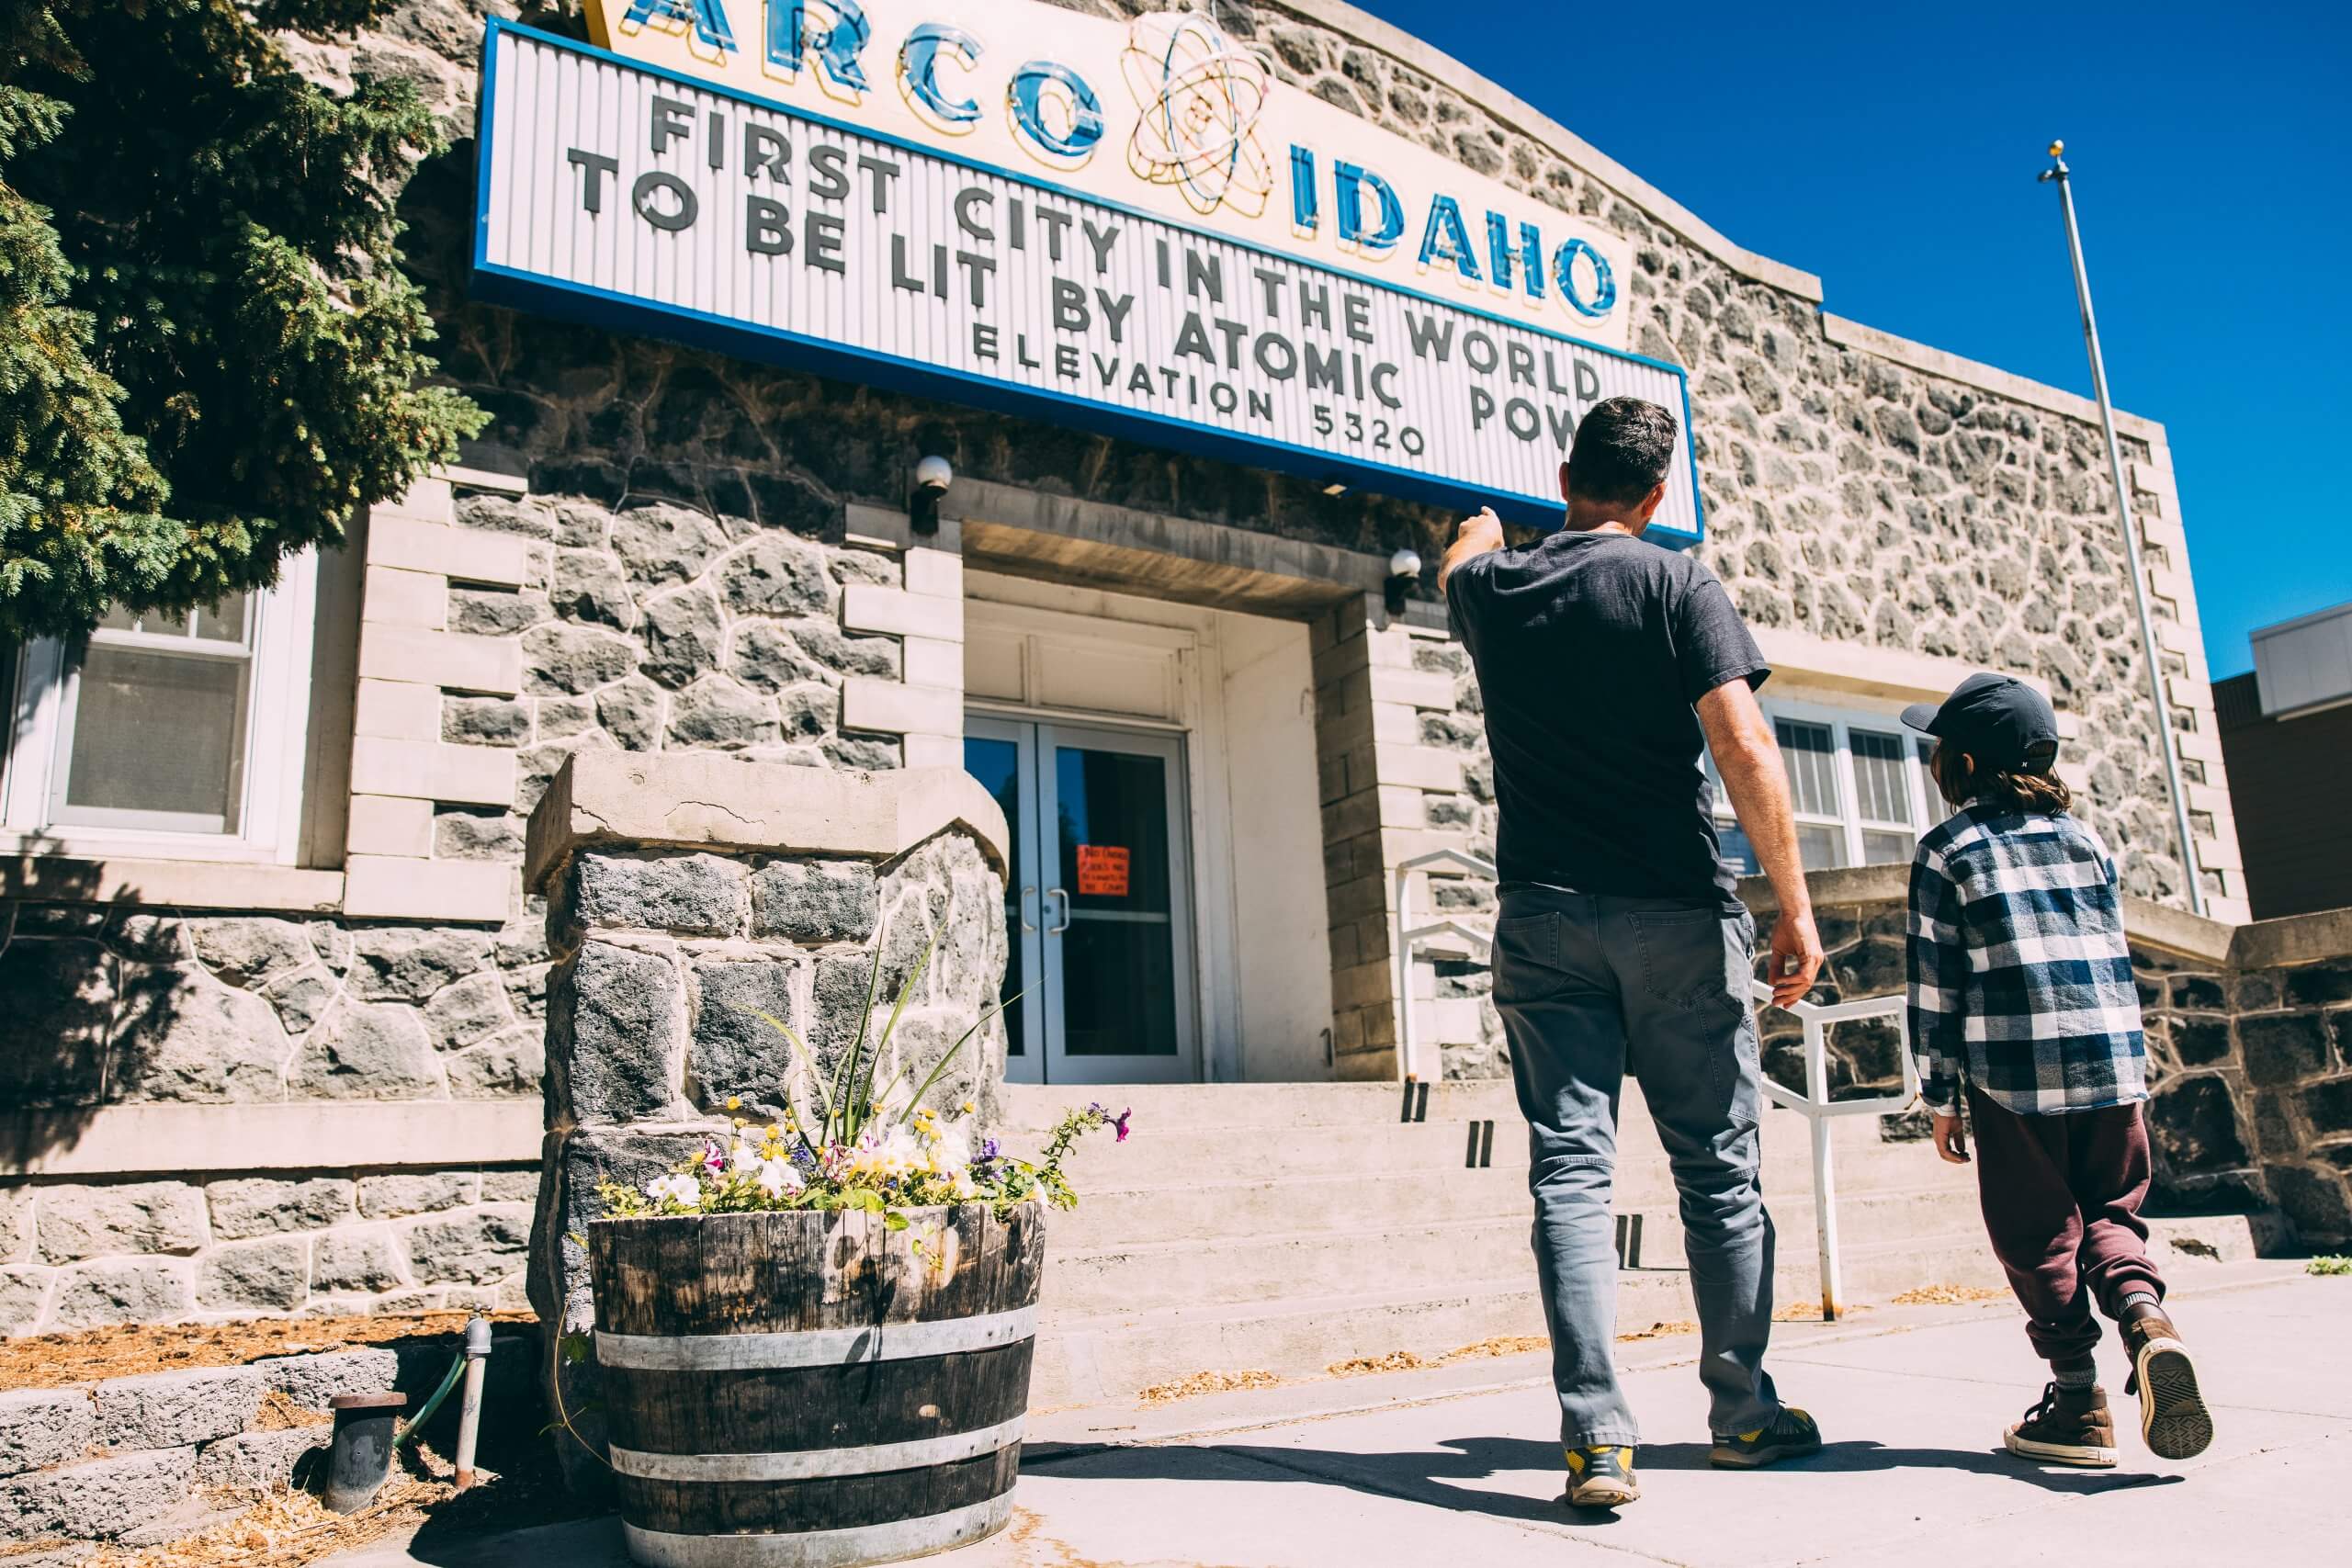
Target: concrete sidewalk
x: 1458, y: 1463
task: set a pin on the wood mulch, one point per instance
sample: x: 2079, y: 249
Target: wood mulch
x: 57, y: 1361
x: 1949, y: 1295
x: 295, y: 1529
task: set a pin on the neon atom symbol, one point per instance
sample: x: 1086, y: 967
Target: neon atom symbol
x: 1201, y: 94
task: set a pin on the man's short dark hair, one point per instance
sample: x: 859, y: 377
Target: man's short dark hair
x: 1623, y: 448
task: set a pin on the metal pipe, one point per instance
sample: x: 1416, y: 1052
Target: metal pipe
x: 1824, y: 1175
x: 469, y: 1412
x: 2058, y: 172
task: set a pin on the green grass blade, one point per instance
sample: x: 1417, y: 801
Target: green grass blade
x: 845, y: 1073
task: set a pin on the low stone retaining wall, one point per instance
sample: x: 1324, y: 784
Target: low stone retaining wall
x: 139, y: 1460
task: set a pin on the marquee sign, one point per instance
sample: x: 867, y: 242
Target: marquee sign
x: 1147, y: 236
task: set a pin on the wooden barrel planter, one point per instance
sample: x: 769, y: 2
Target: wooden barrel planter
x: 812, y: 1390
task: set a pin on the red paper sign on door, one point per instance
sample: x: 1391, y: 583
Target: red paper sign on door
x: 1103, y: 870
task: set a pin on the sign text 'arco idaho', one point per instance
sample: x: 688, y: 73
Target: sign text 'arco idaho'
x: 646, y: 198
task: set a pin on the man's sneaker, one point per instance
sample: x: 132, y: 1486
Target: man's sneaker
x: 2071, y: 1426
x: 2173, y: 1421
x: 1601, y: 1477
x: 1792, y: 1435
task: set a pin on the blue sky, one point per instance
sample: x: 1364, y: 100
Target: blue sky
x: 1891, y: 149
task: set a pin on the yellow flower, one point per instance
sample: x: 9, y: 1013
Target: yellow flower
x: 742, y: 1120
x: 774, y: 1132
x: 968, y: 1108
x: 735, y: 1102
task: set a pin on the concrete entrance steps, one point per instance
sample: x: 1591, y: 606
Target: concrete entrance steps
x: 1290, y: 1228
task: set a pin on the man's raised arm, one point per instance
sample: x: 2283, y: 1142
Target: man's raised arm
x: 1748, y: 758
x: 1475, y: 537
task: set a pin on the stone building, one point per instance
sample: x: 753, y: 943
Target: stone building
x: 274, y: 993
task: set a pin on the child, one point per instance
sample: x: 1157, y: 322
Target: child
x: 2021, y: 992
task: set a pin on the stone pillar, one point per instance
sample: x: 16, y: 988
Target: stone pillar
x: 687, y: 892
x: 1397, y: 732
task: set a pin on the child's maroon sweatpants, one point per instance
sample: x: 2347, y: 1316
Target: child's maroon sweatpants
x: 2061, y: 1196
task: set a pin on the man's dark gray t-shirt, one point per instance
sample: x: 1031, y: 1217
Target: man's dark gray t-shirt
x: 1592, y: 650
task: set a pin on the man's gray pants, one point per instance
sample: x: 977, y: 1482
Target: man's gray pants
x: 1588, y: 987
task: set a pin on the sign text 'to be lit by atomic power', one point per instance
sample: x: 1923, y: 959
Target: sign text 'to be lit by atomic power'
x: 1125, y: 226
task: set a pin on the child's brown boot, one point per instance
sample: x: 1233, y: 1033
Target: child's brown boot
x: 2071, y: 1426
x: 2172, y: 1418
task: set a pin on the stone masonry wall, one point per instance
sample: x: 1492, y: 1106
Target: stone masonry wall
x: 143, y: 1006
x: 80, y: 1254
x: 1846, y: 495
x: 2254, y: 1102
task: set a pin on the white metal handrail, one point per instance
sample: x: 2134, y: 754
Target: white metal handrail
x: 1816, y: 1106
x: 1406, y: 939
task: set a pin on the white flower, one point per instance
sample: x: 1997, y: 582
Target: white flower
x: 780, y: 1178
x: 951, y: 1152
x: 683, y: 1190
x: 895, y: 1154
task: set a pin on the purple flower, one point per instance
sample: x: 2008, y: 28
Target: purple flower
x: 712, y: 1160
x: 1120, y: 1122
x: 990, y: 1149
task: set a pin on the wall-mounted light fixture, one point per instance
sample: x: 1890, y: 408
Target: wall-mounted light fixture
x: 933, y: 476
x: 1335, y: 487
x: 1403, y: 571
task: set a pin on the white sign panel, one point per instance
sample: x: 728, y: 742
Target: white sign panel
x: 655, y: 200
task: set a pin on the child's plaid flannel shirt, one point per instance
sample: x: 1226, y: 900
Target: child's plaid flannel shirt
x: 2020, y: 980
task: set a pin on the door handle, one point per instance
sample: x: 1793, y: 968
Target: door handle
x: 1064, y: 897
x: 1027, y: 893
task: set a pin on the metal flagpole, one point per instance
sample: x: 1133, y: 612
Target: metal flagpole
x: 2058, y: 172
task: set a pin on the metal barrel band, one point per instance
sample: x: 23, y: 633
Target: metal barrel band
x: 817, y: 1464
x: 815, y: 1347
x: 822, y: 1548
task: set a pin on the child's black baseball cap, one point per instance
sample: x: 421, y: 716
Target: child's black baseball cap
x: 1999, y: 720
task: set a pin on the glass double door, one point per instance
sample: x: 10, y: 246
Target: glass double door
x: 1098, y: 911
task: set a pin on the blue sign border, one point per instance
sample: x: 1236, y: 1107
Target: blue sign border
x: 512, y: 286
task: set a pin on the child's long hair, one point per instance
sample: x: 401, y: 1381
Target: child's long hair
x: 1961, y: 780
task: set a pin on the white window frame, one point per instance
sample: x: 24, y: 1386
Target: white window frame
x: 1841, y: 722
x: 269, y: 816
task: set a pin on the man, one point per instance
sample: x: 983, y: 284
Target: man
x: 1621, y: 942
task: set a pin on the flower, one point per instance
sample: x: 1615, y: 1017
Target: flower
x: 683, y: 1190
x: 734, y: 1102
x: 950, y: 1155
x: 712, y: 1160
x: 1120, y: 1123
x: 779, y: 1178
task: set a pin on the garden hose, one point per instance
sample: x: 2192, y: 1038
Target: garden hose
x: 416, y: 1423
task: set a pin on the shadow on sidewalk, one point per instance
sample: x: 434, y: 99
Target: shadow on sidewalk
x: 1427, y: 1477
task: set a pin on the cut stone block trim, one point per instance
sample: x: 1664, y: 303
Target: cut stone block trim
x: 730, y: 805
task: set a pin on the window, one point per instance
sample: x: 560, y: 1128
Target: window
x: 1857, y: 786
x: 164, y: 736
